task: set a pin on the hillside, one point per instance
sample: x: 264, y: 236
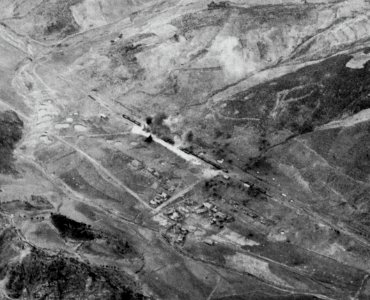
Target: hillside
x: 185, y: 149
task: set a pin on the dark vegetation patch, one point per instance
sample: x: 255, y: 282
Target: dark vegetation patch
x: 16, y: 206
x: 279, y: 13
x: 41, y: 202
x: 7, y: 249
x: 123, y: 53
x: 88, y: 211
x: 219, y: 188
x: 41, y: 276
x: 110, y: 247
x: 10, y: 133
x: 215, y: 254
x: 367, y: 50
x: 263, y: 49
x: 59, y: 17
x: 310, y: 97
x: 72, y: 229
x: 273, y: 16
x: 96, y: 242
x: 191, y: 22
x: 259, y: 163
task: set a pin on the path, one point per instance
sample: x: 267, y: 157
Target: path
x: 214, y: 289
x: 103, y: 171
x: 175, y: 197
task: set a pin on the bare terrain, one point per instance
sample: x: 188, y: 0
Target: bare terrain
x: 185, y: 149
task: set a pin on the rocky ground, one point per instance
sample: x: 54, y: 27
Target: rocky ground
x: 184, y: 149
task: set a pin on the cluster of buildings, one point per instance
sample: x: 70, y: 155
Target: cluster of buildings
x: 166, y: 187
x: 217, y: 217
x: 159, y: 199
x: 174, y: 215
x: 177, y: 233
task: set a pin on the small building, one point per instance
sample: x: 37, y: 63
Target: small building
x: 171, y: 189
x: 164, y: 195
x: 214, y: 209
x: 170, y: 211
x: 220, y: 215
x: 230, y: 219
x: 180, y: 239
x: 103, y: 117
x: 183, y: 209
x: 209, y: 242
x: 175, y: 216
x: 201, y: 210
x: 156, y: 174
x: 156, y: 201
x: 135, y: 164
x: 208, y: 205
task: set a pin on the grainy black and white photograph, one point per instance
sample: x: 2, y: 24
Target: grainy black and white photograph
x: 184, y: 150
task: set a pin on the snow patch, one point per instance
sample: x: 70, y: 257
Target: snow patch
x: 61, y: 126
x: 362, y: 116
x: 358, y: 61
x: 80, y: 128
